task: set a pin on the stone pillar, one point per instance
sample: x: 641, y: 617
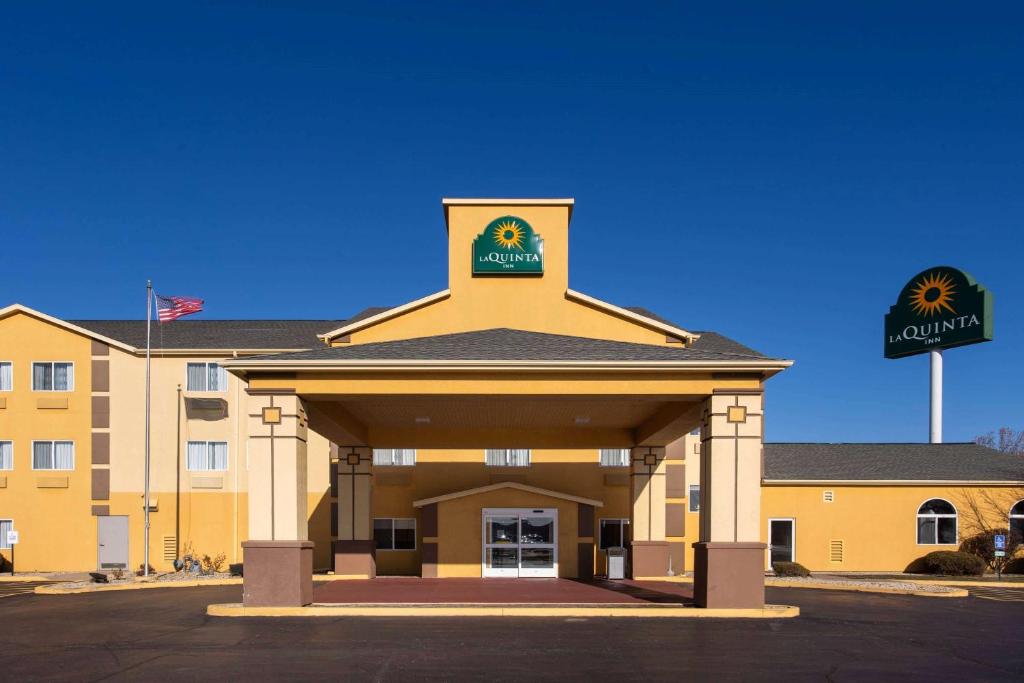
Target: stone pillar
x: 649, y: 548
x: 278, y: 558
x: 729, y: 558
x: 355, y: 551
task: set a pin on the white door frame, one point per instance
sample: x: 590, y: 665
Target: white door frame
x: 520, y: 514
x: 792, y: 529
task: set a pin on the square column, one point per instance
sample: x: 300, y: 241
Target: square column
x: 729, y: 558
x: 278, y: 558
x: 355, y: 551
x: 649, y: 548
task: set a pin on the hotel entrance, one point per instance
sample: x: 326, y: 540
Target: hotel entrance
x: 520, y: 542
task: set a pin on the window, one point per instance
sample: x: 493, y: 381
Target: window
x: 614, y: 457
x: 936, y: 523
x: 6, y: 455
x: 6, y: 376
x: 207, y: 456
x: 53, y: 455
x: 614, y: 534
x: 508, y: 457
x: 694, y: 497
x: 206, y: 377
x: 53, y: 376
x: 388, y: 457
x: 5, y: 526
x: 394, y: 534
x: 1016, y: 518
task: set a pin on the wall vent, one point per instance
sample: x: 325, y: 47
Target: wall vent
x: 170, y: 548
x: 828, y: 496
x: 835, y: 551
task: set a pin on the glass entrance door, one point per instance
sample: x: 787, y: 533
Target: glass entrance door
x: 520, y: 542
x: 780, y: 540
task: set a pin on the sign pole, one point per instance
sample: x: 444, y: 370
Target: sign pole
x: 935, y: 416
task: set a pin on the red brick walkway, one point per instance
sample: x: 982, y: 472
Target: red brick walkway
x: 501, y: 591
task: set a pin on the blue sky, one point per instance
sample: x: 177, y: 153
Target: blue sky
x: 775, y: 172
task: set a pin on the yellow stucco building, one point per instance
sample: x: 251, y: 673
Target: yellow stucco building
x: 505, y: 426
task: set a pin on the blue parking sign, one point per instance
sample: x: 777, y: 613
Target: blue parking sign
x: 1000, y: 541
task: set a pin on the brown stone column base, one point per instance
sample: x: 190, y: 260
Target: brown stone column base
x: 277, y: 573
x: 728, y: 575
x: 355, y: 558
x: 649, y: 558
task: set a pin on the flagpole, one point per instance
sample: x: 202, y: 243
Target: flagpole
x: 149, y: 319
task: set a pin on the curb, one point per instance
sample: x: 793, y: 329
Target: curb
x: 959, y: 593
x: 402, y: 610
x: 57, y: 589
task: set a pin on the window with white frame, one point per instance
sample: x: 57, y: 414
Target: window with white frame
x: 693, y: 497
x: 53, y: 376
x: 936, y: 523
x: 207, y: 456
x: 5, y: 526
x: 1017, y: 519
x: 394, y: 457
x: 394, y: 533
x: 614, y: 457
x: 507, y: 457
x: 6, y: 376
x: 53, y: 455
x: 614, y: 533
x: 206, y: 377
x: 6, y: 455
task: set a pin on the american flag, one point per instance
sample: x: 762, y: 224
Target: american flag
x: 173, y: 307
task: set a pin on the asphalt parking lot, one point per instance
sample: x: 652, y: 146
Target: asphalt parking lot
x: 165, y: 635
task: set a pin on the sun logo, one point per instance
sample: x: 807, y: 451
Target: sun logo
x: 932, y: 294
x: 509, y: 235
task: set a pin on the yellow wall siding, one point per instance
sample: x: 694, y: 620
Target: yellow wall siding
x: 57, y: 531
x: 877, y: 524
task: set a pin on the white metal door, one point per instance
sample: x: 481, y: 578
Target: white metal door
x: 520, y: 542
x: 112, y: 536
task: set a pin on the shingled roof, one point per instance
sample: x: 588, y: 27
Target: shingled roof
x: 889, y: 462
x: 504, y: 344
x: 215, y: 334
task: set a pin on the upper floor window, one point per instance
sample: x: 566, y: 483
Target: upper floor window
x: 614, y: 457
x: 508, y: 457
x: 206, y: 377
x: 53, y: 455
x: 6, y: 455
x: 53, y: 376
x: 207, y: 456
x: 936, y: 523
x: 394, y: 456
x: 6, y: 375
x: 694, y: 497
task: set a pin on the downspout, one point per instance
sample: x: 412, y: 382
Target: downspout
x: 177, y: 486
x: 234, y: 521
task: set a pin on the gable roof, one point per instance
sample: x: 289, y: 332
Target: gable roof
x: 65, y: 324
x: 519, y: 346
x: 214, y: 334
x: 506, y: 485
x: 890, y: 462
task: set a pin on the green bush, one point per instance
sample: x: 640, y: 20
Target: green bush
x: 790, y: 569
x: 984, y: 546
x: 952, y: 563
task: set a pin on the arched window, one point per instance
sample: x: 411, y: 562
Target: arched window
x: 1017, y: 518
x: 936, y: 523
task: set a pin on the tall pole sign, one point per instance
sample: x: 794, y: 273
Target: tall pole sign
x: 937, y: 309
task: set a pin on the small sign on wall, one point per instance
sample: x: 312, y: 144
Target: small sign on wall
x: 12, y: 537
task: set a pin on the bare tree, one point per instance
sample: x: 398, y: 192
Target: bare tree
x: 1006, y: 440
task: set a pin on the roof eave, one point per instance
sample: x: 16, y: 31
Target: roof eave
x: 767, y: 366
x: 670, y: 330
x: 327, y: 337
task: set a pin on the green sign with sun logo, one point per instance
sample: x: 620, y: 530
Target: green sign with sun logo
x: 508, y: 246
x: 939, y: 308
